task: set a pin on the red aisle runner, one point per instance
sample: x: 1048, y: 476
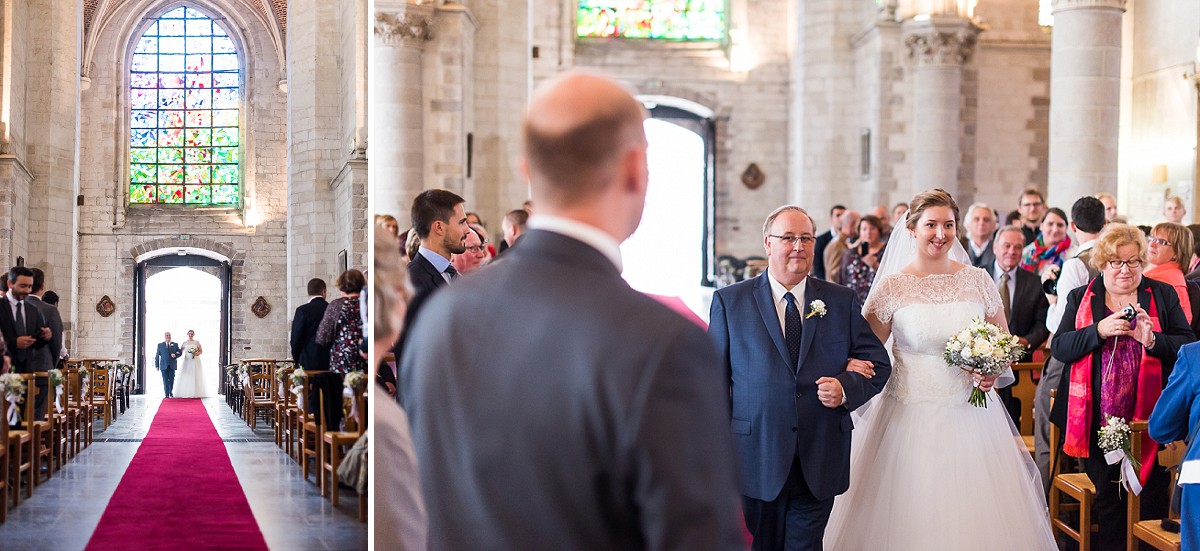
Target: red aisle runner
x: 180, y: 491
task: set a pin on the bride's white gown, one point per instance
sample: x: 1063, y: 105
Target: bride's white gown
x: 928, y: 470
x: 189, y: 379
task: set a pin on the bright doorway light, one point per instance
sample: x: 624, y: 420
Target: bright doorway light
x: 177, y: 300
x: 665, y: 255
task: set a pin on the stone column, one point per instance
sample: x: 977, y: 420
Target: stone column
x: 1085, y: 92
x: 449, y: 115
x: 397, y: 158
x: 940, y: 46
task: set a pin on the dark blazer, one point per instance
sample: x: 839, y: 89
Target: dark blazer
x: 23, y: 360
x: 166, y: 357
x: 1027, y: 315
x: 818, y: 270
x: 775, y: 411
x: 425, y: 280
x: 985, y: 260
x: 45, y: 358
x: 1175, y: 416
x: 305, y: 349
x: 594, y: 418
x: 1071, y: 344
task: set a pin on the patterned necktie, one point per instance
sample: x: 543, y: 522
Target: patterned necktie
x: 1004, y: 298
x: 451, y: 272
x: 791, y: 328
x: 20, y: 319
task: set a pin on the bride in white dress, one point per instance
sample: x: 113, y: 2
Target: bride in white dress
x: 927, y: 469
x: 189, y: 381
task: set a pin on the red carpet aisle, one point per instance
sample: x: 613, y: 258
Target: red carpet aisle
x: 180, y: 491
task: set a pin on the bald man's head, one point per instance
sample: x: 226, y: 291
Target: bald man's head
x: 578, y: 129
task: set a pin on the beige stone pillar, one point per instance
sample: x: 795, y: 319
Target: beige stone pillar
x: 402, y: 30
x: 1085, y: 91
x: 449, y: 68
x: 940, y: 46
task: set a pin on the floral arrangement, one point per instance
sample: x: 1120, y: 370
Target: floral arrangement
x: 297, y: 377
x: 56, y: 378
x: 985, y: 350
x: 192, y: 350
x: 1114, y: 440
x: 14, y: 390
x: 356, y: 380
x: 816, y: 308
x: 281, y: 375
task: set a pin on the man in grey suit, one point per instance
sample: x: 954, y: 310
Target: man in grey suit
x: 596, y: 418
x: 44, y: 358
x: 798, y: 357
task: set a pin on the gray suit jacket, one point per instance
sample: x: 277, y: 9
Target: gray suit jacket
x: 594, y: 418
x: 45, y: 358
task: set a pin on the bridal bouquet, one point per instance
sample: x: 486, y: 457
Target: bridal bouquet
x: 192, y: 351
x: 14, y: 391
x: 983, y: 349
x: 1114, y: 438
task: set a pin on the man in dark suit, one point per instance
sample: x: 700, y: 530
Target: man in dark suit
x: 791, y: 400
x: 305, y: 350
x: 595, y: 418
x: 835, y: 219
x: 981, y: 228
x: 165, y: 360
x: 24, y: 329
x: 1025, y: 304
x: 45, y: 358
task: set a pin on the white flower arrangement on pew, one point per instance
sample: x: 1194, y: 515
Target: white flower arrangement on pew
x: 297, y: 378
x: 14, y: 391
x: 985, y: 350
x: 1114, y: 440
x: 356, y: 380
x: 56, y: 382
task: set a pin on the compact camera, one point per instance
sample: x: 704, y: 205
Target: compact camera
x: 1128, y: 312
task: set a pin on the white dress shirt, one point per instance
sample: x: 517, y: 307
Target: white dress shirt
x: 777, y: 292
x: 1072, y: 276
x: 1012, y: 280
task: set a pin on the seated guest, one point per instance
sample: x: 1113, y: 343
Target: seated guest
x: 981, y: 227
x: 1024, y: 303
x: 1169, y: 249
x: 1045, y: 255
x: 1116, y: 367
x: 341, y: 327
x: 1176, y: 417
x: 861, y: 261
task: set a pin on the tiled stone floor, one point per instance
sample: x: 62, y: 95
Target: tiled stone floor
x: 63, y: 512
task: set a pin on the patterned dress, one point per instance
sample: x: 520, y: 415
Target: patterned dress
x: 341, y: 329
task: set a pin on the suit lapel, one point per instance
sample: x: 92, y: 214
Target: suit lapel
x: 770, y: 317
x: 812, y: 292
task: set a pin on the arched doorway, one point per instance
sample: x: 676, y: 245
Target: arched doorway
x: 672, y: 250
x: 176, y: 292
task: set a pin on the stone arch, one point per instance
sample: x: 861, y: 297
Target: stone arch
x: 200, y: 245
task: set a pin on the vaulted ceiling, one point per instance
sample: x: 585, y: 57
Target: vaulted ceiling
x: 95, y: 12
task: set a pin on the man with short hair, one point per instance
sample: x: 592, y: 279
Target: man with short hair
x: 1087, y: 221
x: 22, y: 324
x: 166, y: 359
x: 838, y: 246
x: 823, y: 240
x: 981, y: 228
x: 513, y: 226
x: 44, y: 358
x: 786, y: 363
x: 1032, y: 206
x: 1024, y: 303
x: 305, y: 350
x: 1110, y: 205
x: 595, y: 417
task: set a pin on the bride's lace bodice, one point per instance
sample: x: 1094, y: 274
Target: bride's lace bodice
x: 925, y: 312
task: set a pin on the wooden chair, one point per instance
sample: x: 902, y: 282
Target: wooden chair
x: 43, y: 434
x: 258, y: 397
x: 21, y: 445
x: 79, y: 405
x: 102, y: 392
x: 283, y: 402
x: 1024, y: 391
x: 1151, y: 531
x: 310, y: 429
x: 333, y: 441
x: 62, y: 424
x: 4, y: 487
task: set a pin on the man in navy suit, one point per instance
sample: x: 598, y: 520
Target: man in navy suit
x: 165, y: 361
x: 791, y: 400
x: 305, y: 350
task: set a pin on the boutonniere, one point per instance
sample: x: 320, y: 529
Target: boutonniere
x: 816, y: 308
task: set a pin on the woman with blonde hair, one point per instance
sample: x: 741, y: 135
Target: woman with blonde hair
x: 1119, y: 337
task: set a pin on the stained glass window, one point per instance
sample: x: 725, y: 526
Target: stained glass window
x: 657, y: 19
x: 184, y: 93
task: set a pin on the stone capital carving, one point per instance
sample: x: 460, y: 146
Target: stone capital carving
x: 940, y: 40
x: 1066, y: 5
x: 403, y: 29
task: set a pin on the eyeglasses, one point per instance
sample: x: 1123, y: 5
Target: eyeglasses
x: 1159, y: 241
x: 790, y: 240
x: 477, y: 249
x: 1118, y: 264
